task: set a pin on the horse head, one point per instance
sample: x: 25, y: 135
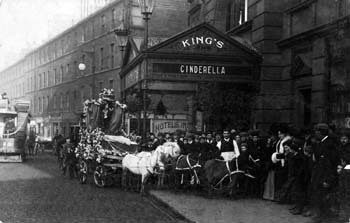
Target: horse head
x: 170, y: 149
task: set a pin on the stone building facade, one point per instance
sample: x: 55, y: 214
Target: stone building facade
x: 304, y: 45
x: 49, y: 77
x: 303, y: 74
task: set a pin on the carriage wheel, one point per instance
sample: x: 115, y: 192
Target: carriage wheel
x: 100, y: 176
x: 82, y: 178
x: 83, y: 172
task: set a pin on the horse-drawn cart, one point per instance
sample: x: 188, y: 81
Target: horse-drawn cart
x: 108, y: 170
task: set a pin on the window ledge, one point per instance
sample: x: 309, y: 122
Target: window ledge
x: 299, y: 6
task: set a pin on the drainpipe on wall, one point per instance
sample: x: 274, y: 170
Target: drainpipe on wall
x: 328, y: 80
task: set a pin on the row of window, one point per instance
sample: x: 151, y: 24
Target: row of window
x: 84, y: 32
x: 65, y: 101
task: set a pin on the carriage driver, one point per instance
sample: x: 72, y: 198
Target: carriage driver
x: 228, y: 148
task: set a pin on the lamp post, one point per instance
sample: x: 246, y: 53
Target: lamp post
x: 122, y: 35
x: 82, y: 68
x: 147, y: 7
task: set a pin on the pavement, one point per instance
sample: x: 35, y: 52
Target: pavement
x: 36, y: 192
x: 203, y: 210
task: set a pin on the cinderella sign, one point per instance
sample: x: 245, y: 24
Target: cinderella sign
x: 202, y: 69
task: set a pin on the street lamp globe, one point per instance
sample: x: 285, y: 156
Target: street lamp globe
x: 82, y: 66
x: 121, y: 35
x: 147, y: 7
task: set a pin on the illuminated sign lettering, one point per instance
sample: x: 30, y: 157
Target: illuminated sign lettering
x: 201, y: 40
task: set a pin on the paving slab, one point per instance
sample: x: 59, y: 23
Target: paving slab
x: 203, y: 210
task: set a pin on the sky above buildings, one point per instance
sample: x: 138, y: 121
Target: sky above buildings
x: 25, y: 24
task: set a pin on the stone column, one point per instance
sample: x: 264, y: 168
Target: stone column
x: 319, y: 86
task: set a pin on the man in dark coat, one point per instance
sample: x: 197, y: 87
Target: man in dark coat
x: 207, y: 150
x: 324, y: 174
x: 192, y: 148
x: 160, y: 141
x: 344, y: 150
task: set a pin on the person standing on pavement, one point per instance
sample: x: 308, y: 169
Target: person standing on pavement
x: 177, y: 139
x: 279, y: 165
x: 229, y: 148
x: 192, y: 148
x: 324, y: 176
x: 159, y: 141
x: 344, y: 150
x: 69, y: 158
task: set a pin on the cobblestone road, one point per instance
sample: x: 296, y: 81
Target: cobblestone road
x: 36, y: 191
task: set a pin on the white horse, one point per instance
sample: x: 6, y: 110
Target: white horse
x: 144, y: 163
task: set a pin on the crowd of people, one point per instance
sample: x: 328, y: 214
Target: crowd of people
x: 297, y: 167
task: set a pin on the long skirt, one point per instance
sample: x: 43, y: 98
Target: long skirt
x: 269, y: 189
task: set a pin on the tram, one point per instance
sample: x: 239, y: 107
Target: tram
x: 13, y: 130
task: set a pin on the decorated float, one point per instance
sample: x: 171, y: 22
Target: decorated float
x: 102, y: 143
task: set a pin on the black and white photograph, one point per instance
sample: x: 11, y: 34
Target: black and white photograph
x: 164, y: 111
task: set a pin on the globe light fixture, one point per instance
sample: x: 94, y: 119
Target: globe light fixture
x: 147, y: 7
x: 81, y: 66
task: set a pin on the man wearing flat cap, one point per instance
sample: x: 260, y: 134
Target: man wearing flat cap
x: 324, y: 175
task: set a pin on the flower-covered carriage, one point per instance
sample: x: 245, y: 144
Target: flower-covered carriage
x: 101, y: 147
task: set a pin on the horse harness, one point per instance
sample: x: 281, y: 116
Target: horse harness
x: 230, y: 173
x: 190, y: 167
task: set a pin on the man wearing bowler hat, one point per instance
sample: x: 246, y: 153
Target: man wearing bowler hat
x: 324, y: 175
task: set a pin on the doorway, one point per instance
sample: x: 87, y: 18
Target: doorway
x: 306, y: 106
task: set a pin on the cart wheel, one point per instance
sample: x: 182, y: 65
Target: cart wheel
x: 83, y: 169
x: 82, y: 178
x: 100, y: 176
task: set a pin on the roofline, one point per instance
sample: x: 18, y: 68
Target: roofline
x: 115, y: 2
x: 206, y: 24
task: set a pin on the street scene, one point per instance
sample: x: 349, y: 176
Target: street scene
x: 36, y: 191
x: 175, y: 111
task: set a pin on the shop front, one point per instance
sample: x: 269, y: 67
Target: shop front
x: 161, y: 84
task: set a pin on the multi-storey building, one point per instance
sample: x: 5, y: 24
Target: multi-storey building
x: 305, y: 49
x: 295, y: 51
x: 49, y: 76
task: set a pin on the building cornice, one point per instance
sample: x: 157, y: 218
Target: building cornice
x: 319, y: 31
x: 247, y: 26
x: 299, y: 6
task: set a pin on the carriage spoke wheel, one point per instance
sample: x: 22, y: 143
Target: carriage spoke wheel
x: 100, y: 176
x: 83, y: 171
